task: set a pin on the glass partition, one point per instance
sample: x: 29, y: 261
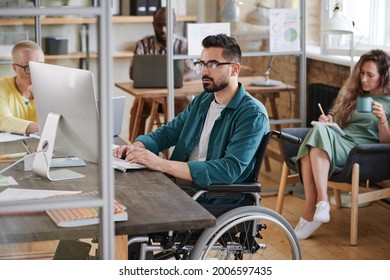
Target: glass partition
x: 71, y: 33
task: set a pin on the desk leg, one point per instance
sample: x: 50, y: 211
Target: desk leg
x: 121, y: 251
x: 275, y: 115
x: 277, y: 155
x: 274, y: 109
x: 154, y: 115
x: 137, y: 119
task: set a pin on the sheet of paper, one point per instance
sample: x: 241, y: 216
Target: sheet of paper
x: 284, y: 30
x: 8, y: 181
x: 200, y: 30
x: 12, y: 194
x: 8, y: 137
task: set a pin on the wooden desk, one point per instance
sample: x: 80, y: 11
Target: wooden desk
x: 159, y: 95
x: 154, y: 204
x: 191, y: 88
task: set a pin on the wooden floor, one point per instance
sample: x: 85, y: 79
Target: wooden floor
x: 331, y: 240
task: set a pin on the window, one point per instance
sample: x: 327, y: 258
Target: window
x: 372, y: 25
x: 371, y: 20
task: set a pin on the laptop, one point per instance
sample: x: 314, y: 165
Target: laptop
x: 150, y: 71
x: 118, y: 104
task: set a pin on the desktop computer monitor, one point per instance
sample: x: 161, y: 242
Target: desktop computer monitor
x: 67, y: 116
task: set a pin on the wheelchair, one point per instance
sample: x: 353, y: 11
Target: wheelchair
x: 244, y: 231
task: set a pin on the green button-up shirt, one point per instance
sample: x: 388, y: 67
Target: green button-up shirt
x: 233, y: 142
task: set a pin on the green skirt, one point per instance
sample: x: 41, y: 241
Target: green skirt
x: 326, y: 138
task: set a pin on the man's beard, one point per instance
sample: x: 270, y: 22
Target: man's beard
x: 210, y: 86
x: 162, y: 40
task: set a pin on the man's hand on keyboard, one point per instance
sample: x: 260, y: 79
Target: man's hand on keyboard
x: 122, y: 151
x: 137, y: 153
x: 145, y: 157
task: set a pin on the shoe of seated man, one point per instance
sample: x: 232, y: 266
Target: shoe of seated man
x: 304, y: 229
x: 322, y: 212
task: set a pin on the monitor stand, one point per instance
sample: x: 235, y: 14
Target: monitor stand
x: 41, y: 163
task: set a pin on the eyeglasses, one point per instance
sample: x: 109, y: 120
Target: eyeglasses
x: 211, y: 65
x: 25, y: 68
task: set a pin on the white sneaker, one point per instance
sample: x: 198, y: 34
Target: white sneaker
x: 322, y: 212
x: 305, y: 229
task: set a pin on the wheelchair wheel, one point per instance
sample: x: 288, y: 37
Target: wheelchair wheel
x: 248, y: 233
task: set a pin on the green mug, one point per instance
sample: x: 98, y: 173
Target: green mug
x: 364, y: 104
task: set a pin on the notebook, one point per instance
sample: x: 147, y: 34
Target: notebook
x: 75, y: 217
x: 333, y: 125
x: 150, y: 71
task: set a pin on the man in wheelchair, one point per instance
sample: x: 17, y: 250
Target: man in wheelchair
x: 216, y: 137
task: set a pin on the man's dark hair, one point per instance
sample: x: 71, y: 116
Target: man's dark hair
x: 231, y: 49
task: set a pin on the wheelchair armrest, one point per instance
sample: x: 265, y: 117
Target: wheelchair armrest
x: 232, y: 191
x: 374, y: 162
x: 236, y: 188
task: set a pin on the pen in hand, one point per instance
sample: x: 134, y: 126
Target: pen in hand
x: 322, y: 111
x: 325, y: 118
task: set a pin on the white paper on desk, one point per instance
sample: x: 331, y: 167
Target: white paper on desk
x: 12, y: 194
x: 8, y: 137
x: 8, y: 181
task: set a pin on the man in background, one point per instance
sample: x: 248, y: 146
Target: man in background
x: 155, y: 45
x: 17, y: 105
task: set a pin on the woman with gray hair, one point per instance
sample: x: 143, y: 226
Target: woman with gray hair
x: 17, y: 106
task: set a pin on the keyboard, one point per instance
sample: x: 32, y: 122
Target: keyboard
x: 122, y: 165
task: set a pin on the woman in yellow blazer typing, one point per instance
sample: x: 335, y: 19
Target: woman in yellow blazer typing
x: 17, y: 106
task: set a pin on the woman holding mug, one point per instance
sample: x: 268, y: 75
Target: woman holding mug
x: 324, y: 149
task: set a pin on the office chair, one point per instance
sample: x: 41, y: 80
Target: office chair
x: 365, y: 163
x: 318, y: 93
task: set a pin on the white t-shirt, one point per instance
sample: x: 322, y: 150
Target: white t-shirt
x: 200, y: 151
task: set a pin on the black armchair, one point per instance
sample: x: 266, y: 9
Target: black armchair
x: 365, y: 163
